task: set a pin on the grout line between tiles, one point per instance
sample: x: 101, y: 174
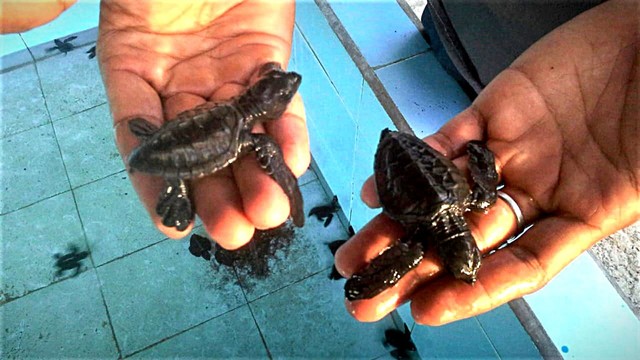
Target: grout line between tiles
x: 62, y: 192
x: 133, y: 252
x: 6, y: 136
x: 180, y: 332
x: 33, y: 58
x: 365, y: 69
x: 324, y: 70
x: 397, y: 61
x: 255, y: 321
x: 65, y: 117
x: 3, y: 136
x: 34, y: 203
x: 105, y: 263
x: 495, y: 350
x: 289, y: 284
x: 75, y: 202
x: 357, y: 139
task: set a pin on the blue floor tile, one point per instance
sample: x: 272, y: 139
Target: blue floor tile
x: 30, y: 239
x: 423, y: 92
x: 88, y: 163
x: 381, y: 30
x: 63, y: 321
x: 372, y: 119
x: 322, y: 327
x: 584, y: 315
x: 10, y: 43
x: 163, y: 290
x: 461, y: 339
x: 336, y: 62
x: 507, y: 334
x: 332, y: 129
x: 22, y: 106
x: 231, y: 335
x: 32, y: 170
x: 114, y: 220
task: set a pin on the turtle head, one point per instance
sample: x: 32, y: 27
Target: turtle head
x: 273, y: 91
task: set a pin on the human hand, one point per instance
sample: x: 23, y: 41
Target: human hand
x: 563, y: 124
x: 159, y: 59
x: 18, y: 16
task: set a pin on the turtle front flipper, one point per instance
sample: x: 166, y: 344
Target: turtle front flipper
x: 482, y: 167
x: 174, y: 205
x: 271, y: 160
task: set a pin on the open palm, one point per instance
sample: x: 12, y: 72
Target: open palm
x: 563, y: 124
x: 160, y: 58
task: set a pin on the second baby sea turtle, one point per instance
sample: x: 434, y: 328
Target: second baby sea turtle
x: 209, y: 137
x: 427, y: 194
x: 70, y: 261
x: 64, y: 46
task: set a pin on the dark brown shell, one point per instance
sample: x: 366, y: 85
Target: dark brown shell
x: 414, y: 181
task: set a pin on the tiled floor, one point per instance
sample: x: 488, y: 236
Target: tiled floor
x: 142, y: 295
x: 63, y: 185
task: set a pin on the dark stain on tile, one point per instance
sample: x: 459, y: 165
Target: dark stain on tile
x: 253, y: 258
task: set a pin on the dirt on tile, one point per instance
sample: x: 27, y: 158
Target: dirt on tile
x: 253, y: 258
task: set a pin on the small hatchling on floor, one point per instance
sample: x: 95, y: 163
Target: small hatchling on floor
x: 63, y: 46
x: 72, y: 260
x: 428, y: 195
x: 325, y: 212
x: 209, y: 137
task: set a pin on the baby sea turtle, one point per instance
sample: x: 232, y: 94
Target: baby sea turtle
x: 64, y: 46
x: 91, y: 52
x: 325, y: 212
x: 209, y: 137
x: 200, y: 246
x: 427, y: 194
x: 404, y: 347
x: 70, y: 260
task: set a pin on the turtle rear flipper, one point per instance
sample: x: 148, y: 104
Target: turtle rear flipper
x: 384, y: 271
x: 174, y: 205
x: 271, y: 160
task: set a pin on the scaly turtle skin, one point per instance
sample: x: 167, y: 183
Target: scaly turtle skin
x: 427, y: 194
x: 209, y: 137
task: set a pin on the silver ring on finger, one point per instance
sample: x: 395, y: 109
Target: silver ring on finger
x: 515, y: 208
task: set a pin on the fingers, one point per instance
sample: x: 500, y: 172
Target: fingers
x: 377, y: 235
x: 20, y: 16
x: 464, y: 124
x: 218, y: 203
x: 519, y: 269
x: 488, y: 230
x: 131, y: 97
x: 265, y: 203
